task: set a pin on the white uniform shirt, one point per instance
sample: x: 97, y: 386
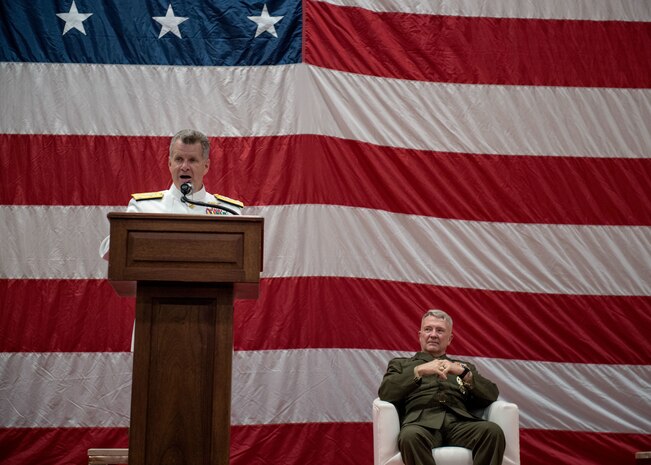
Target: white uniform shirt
x: 171, y: 202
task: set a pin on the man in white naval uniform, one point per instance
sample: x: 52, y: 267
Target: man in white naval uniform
x: 189, y: 161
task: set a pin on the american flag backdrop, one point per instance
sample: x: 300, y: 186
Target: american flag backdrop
x: 490, y: 158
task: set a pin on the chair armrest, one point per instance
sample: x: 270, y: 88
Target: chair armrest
x: 386, y: 427
x: 507, y: 416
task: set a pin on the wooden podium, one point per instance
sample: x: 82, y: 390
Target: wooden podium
x: 184, y: 271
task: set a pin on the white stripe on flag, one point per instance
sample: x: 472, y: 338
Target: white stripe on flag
x: 509, y: 120
x: 65, y: 389
x: 317, y: 385
x: 488, y: 119
x: 42, y: 242
x: 135, y: 100
x: 316, y: 240
x: 593, y: 10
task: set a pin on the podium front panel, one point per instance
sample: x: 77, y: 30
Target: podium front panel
x: 185, y: 248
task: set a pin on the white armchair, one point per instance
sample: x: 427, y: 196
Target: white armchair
x: 386, y: 426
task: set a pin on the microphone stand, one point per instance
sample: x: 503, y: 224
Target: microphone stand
x: 186, y: 188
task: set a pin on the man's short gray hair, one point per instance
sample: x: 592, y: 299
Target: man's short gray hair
x: 440, y: 314
x: 192, y: 136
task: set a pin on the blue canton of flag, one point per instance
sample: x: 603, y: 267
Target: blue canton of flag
x: 164, y: 32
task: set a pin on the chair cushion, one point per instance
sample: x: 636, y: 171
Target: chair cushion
x: 446, y: 455
x: 453, y: 455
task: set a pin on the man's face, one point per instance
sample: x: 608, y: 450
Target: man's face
x: 434, y: 336
x: 187, y: 164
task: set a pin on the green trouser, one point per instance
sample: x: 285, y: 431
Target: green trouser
x: 484, y: 438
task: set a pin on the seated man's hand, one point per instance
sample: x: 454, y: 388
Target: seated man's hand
x: 440, y: 368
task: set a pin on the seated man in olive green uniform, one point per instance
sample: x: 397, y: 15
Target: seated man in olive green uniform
x: 435, y: 396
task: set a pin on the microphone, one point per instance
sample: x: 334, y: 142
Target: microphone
x: 186, y: 188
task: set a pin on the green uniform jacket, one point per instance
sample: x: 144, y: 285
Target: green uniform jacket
x: 426, y: 403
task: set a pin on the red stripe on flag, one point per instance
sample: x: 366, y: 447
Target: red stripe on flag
x: 302, y: 443
x: 285, y: 444
x: 476, y: 50
x: 90, y: 170
x: 298, y: 444
x: 56, y: 446
x: 372, y: 314
x: 58, y: 315
x: 104, y: 170
x: 87, y: 316
x: 523, y: 189
x: 542, y: 447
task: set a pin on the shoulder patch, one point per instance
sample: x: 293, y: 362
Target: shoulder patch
x: 223, y: 198
x: 147, y: 196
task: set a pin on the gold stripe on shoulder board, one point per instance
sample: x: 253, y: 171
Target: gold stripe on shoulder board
x: 225, y: 199
x: 147, y: 196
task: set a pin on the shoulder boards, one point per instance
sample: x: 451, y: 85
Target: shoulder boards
x: 147, y: 196
x: 223, y: 198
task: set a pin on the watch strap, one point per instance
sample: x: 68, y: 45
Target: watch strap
x: 465, y: 371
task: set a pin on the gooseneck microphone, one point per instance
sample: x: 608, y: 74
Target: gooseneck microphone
x: 186, y: 188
